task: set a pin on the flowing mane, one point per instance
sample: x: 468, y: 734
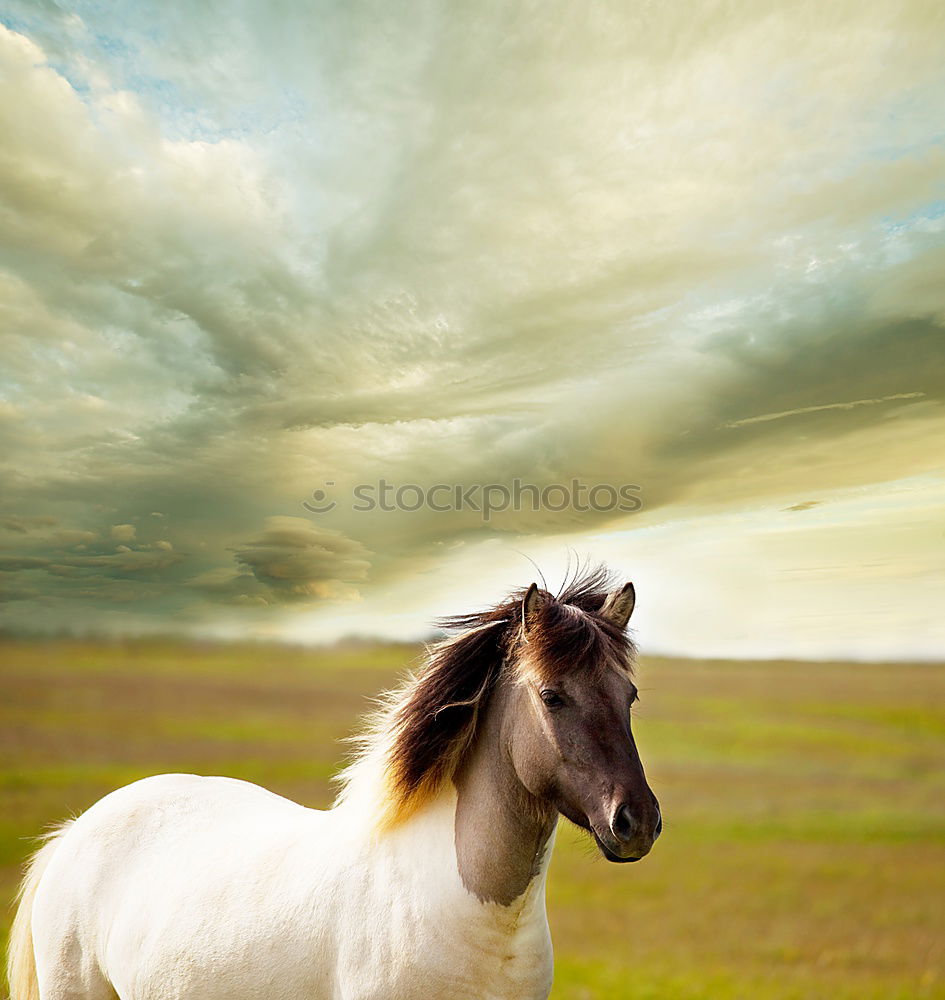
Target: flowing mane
x: 418, y: 738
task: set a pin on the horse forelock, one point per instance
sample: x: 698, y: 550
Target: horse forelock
x: 567, y: 638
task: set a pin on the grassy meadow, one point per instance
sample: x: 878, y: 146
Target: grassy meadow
x: 804, y: 846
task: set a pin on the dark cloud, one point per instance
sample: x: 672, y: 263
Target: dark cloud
x: 22, y: 525
x: 13, y: 564
x: 296, y: 560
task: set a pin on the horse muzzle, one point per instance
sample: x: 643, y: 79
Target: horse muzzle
x: 627, y: 837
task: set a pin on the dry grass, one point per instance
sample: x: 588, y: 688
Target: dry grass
x: 804, y: 852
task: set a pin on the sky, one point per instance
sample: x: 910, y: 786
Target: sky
x: 289, y: 290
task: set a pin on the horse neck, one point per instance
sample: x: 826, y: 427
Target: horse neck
x: 502, y: 833
x: 486, y: 824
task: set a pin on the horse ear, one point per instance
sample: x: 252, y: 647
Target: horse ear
x: 530, y: 605
x: 618, y: 605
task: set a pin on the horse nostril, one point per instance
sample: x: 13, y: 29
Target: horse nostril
x: 659, y: 824
x: 623, y: 824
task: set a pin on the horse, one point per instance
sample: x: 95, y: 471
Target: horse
x: 425, y: 879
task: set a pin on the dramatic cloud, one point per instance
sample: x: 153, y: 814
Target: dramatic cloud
x: 296, y: 560
x: 298, y: 254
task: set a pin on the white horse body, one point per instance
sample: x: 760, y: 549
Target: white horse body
x: 216, y: 889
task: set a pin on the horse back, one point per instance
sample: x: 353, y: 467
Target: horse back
x: 180, y: 885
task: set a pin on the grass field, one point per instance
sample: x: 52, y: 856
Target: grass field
x: 804, y: 848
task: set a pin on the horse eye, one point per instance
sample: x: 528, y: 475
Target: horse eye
x: 551, y: 698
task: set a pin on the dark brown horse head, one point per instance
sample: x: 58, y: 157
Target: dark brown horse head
x: 571, y: 741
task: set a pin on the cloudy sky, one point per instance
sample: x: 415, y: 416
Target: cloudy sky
x: 257, y: 255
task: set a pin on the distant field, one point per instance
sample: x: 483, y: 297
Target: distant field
x: 804, y: 848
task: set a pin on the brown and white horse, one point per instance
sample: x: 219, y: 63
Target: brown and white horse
x: 425, y: 879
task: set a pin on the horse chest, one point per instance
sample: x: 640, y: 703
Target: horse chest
x: 408, y: 938
x: 471, y: 955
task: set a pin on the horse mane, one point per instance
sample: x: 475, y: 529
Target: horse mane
x: 423, y: 729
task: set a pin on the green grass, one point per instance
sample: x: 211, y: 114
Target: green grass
x: 804, y: 849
